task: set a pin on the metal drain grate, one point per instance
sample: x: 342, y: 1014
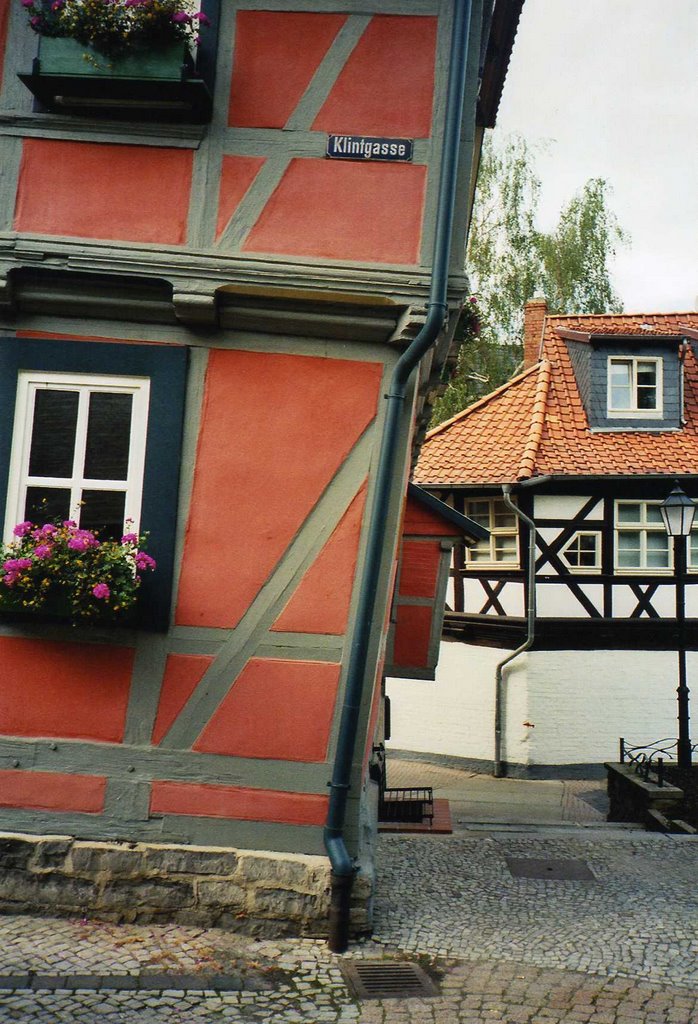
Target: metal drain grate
x: 383, y: 979
x: 555, y: 870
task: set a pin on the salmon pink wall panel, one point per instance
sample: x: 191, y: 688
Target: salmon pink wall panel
x: 49, y: 791
x: 182, y: 674
x: 276, y: 55
x: 387, y: 85
x: 321, y: 603
x: 98, y: 190
x: 419, y: 568
x: 347, y: 211
x: 412, y: 632
x: 274, y: 431
x: 67, y: 690
x: 421, y: 520
x: 275, y: 709
x: 237, y: 174
x: 206, y: 801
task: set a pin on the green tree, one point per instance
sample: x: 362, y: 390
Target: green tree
x: 509, y: 261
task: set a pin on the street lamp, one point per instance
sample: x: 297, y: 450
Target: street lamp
x: 677, y: 512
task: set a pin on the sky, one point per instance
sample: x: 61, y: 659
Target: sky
x: 611, y: 88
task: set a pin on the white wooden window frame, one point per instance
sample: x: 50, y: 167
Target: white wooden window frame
x: 634, y: 412
x: 583, y: 569
x: 28, y: 383
x: 643, y: 527
x: 496, y: 533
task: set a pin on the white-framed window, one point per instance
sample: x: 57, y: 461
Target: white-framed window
x: 692, y: 548
x: 78, y: 451
x: 503, y: 544
x: 642, y: 543
x: 583, y: 552
x: 634, y: 387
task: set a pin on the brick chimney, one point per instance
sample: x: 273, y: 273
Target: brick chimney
x: 535, y: 311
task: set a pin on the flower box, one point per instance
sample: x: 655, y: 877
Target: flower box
x: 145, y: 84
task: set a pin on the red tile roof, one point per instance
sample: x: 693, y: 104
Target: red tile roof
x: 536, y: 425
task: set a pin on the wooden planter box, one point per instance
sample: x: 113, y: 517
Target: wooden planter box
x: 56, y: 611
x: 147, y: 84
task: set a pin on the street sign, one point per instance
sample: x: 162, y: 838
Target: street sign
x: 367, y: 147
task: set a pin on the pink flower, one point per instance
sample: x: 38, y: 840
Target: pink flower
x: 42, y: 550
x: 17, y: 564
x: 27, y: 3
x: 129, y: 538
x: 13, y: 569
x: 144, y: 561
x: 101, y: 591
x: 202, y: 18
x: 22, y: 529
x: 82, y: 540
x: 181, y: 17
x: 48, y: 530
x: 70, y: 524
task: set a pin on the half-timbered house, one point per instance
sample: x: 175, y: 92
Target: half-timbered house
x: 586, y: 443
x: 226, y: 292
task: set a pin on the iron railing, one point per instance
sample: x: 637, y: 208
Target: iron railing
x: 649, y: 758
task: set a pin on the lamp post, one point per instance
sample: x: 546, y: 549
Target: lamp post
x: 677, y: 512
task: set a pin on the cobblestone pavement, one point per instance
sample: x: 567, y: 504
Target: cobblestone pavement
x: 620, y: 948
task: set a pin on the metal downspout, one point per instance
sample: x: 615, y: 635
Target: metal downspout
x: 530, y: 632
x: 437, y: 310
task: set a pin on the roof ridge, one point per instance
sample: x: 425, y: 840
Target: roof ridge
x: 540, y: 401
x: 480, y: 402
x: 634, y: 315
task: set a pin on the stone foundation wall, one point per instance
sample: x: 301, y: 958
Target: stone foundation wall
x: 631, y: 798
x: 254, y: 892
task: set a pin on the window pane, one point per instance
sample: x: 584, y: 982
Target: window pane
x: 46, y: 504
x: 657, y: 550
x: 480, y: 512
x: 505, y: 549
x: 646, y: 398
x: 53, y: 433
x: 629, y: 513
x: 621, y: 398
x: 629, y: 550
x: 653, y: 514
x: 504, y: 519
x: 572, y: 554
x: 480, y: 553
x: 621, y: 373
x: 103, y: 512
x: 587, y: 543
x: 647, y: 375
x: 108, y: 433
x: 693, y: 551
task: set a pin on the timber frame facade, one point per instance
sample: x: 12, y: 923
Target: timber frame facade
x: 265, y: 293
x: 588, y: 441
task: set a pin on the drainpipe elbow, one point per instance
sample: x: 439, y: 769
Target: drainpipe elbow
x: 342, y: 863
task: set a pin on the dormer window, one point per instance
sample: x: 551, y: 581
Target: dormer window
x: 634, y: 387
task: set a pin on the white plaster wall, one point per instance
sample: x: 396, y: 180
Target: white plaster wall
x: 563, y: 506
x: 581, y: 702
x: 663, y: 600
x: 560, y: 707
x: 558, y: 601
x: 454, y: 714
x: 511, y: 597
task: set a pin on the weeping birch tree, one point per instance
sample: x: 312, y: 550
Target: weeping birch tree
x: 509, y: 260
